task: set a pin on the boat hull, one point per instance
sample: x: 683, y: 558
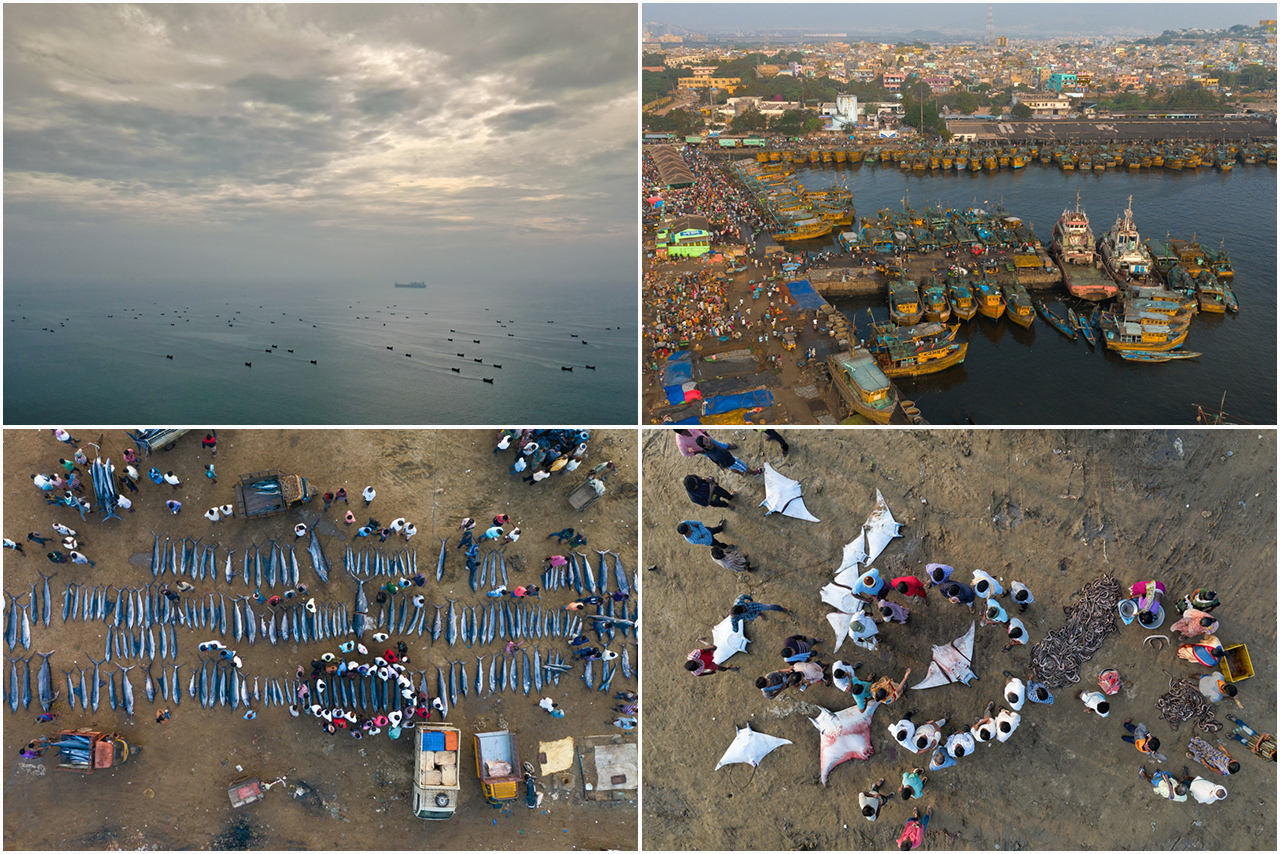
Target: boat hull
x: 1088, y: 282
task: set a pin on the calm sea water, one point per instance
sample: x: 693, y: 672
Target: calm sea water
x: 1036, y: 376
x: 81, y: 355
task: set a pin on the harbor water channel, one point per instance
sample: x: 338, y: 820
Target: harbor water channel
x: 1013, y: 375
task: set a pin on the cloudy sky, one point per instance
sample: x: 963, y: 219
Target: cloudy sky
x: 1028, y: 20
x: 213, y: 142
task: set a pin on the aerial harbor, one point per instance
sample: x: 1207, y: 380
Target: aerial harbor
x: 958, y: 226
x: 334, y: 214
x: 321, y: 640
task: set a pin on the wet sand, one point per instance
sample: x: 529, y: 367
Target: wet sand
x: 1053, y: 509
x: 173, y: 793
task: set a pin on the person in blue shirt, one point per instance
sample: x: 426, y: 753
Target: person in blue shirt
x: 699, y: 534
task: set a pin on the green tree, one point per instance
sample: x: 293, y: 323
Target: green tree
x: 680, y: 122
x: 967, y: 103
x: 749, y: 122
x: 790, y: 122
x: 652, y: 59
x: 1022, y: 111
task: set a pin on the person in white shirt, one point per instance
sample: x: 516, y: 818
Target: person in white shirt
x: 398, y: 525
x: 1206, y: 792
x: 125, y: 502
x: 904, y: 732
x: 228, y: 510
x: 1096, y: 701
x: 212, y: 514
x: 172, y: 479
x: 369, y: 493
x: 1006, y: 723
x: 929, y: 736
x: 410, y: 529
x: 300, y: 530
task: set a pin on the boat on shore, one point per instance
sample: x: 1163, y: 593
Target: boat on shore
x: 1054, y: 320
x: 860, y: 382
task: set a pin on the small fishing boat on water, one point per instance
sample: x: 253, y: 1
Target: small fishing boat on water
x: 1018, y: 304
x: 961, y: 298
x: 1230, y: 298
x: 1054, y: 320
x: 905, y: 308
x: 898, y: 360
x: 1085, y: 328
x: 991, y: 302
x: 1156, y: 356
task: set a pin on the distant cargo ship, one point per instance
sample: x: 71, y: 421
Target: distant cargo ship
x: 412, y: 285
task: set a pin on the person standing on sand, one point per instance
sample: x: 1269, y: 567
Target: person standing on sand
x: 724, y: 459
x: 746, y: 609
x: 1165, y: 785
x: 871, y: 802
x: 885, y: 691
x: 699, y: 534
x: 959, y: 594
x: 369, y: 494
x: 909, y: 585
x: 1142, y: 739
x: 210, y: 441
x: 1195, y: 622
x: 701, y: 662
x: 913, y: 833
x: 730, y: 558
x: 705, y: 492
x: 1021, y: 595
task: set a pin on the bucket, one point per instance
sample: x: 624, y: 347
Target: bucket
x: 1128, y: 610
x: 1155, y: 622
x: 911, y: 411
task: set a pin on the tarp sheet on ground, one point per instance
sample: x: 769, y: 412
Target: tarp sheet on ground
x: 806, y: 298
x: 679, y: 369
x: 677, y: 394
x: 745, y: 400
x: 732, y: 385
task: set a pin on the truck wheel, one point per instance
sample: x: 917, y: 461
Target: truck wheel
x: 169, y: 447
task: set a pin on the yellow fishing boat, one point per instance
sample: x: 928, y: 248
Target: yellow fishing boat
x: 903, y: 360
x: 863, y: 385
x: 1018, y: 307
x: 1121, y: 334
x: 991, y: 302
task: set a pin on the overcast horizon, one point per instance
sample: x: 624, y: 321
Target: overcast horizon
x: 958, y: 20
x: 198, y: 144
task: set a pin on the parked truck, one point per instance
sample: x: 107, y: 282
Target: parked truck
x: 498, y: 767
x: 435, y: 779
x: 266, y: 493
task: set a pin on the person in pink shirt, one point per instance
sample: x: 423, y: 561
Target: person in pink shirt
x: 687, y: 442
x: 913, y: 833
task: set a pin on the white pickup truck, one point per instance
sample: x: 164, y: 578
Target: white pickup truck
x: 435, y: 779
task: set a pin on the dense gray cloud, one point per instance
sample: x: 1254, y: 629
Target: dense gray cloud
x: 439, y: 124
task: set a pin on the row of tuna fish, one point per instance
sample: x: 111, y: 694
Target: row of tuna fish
x: 18, y: 620
x: 576, y: 573
x: 190, y: 558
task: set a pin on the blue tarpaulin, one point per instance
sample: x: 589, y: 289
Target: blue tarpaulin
x: 679, y: 369
x: 805, y: 296
x: 693, y: 420
x: 745, y: 400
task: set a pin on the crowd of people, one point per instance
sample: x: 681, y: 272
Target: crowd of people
x: 881, y: 603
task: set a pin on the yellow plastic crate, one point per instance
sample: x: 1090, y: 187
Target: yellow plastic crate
x: 1235, y: 664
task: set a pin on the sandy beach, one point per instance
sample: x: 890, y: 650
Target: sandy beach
x: 172, y: 794
x: 1053, y: 509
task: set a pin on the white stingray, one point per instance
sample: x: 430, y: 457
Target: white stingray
x: 849, y: 577
x: 840, y: 624
x: 951, y: 663
x: 750, y: 747
x: 855, y: 552
x: 782, y: 495
x: 880, y: 528
x: 727, y: 640
x: 840, y: 597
